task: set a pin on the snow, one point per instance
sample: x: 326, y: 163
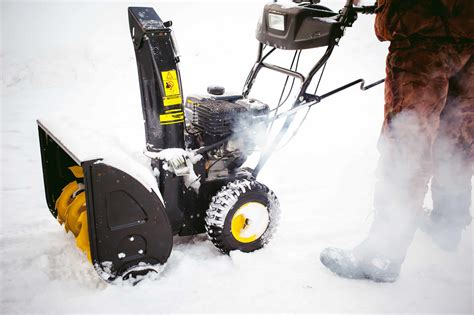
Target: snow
x: 75, y: 62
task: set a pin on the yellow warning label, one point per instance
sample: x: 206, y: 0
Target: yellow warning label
x: 172, y: 118
x: 172, y: 100
x: 171, y: 87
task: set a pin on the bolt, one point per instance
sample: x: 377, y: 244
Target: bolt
x: 140, y: 251
x: 131, y: 238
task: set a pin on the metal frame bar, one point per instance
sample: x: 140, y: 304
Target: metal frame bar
x: 286, y: 71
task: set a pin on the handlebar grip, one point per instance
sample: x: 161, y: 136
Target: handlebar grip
x: 366, y: 9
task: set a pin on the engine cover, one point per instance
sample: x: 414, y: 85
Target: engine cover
x: 220, y: 116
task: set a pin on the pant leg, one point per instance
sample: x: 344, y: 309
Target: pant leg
x: 453, y: 151
x: 416, y: 90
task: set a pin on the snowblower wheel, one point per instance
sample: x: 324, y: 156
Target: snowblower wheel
x: 242, y: 216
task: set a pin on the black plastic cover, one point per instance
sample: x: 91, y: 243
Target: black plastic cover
x: 128, y: 225
x: 302, y: 26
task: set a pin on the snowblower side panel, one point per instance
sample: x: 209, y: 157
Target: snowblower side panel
x: 55, y: 161
x: 128, y: 225
x: 122, y: 226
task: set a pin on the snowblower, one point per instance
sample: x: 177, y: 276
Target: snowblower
x: 196, y: 150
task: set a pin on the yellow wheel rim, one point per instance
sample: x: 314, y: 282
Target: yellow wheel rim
x: 249, y: 222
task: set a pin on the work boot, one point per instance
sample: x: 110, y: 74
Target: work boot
x: 450, y: 216
x: 444, y: 233
x: 380, y: 256
x: 347, y: 264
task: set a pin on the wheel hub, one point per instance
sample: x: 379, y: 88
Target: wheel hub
x: 249, y: 222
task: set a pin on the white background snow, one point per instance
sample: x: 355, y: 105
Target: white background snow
x: 75, y: 61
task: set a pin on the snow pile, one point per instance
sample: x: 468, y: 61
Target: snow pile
x: 75, y: 62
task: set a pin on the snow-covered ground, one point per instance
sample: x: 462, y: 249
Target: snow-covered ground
x: 67, y: 59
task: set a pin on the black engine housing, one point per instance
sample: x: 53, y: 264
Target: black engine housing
x: 218, y: 117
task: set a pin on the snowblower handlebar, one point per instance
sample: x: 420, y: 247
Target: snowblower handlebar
x: 366, y: 9
x: 330, y: 27
x: 363, y: 87
x: 279, y: 30
x: 313, y: 99
x: 286, y: 71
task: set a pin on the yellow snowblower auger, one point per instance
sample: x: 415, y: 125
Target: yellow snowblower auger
x: 71, y: 209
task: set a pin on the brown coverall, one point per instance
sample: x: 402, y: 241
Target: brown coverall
x: 428, y: 126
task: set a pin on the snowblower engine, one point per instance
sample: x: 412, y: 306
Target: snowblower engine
x: 230, y: 123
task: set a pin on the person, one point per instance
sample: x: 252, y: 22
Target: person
x: 428, y: 131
